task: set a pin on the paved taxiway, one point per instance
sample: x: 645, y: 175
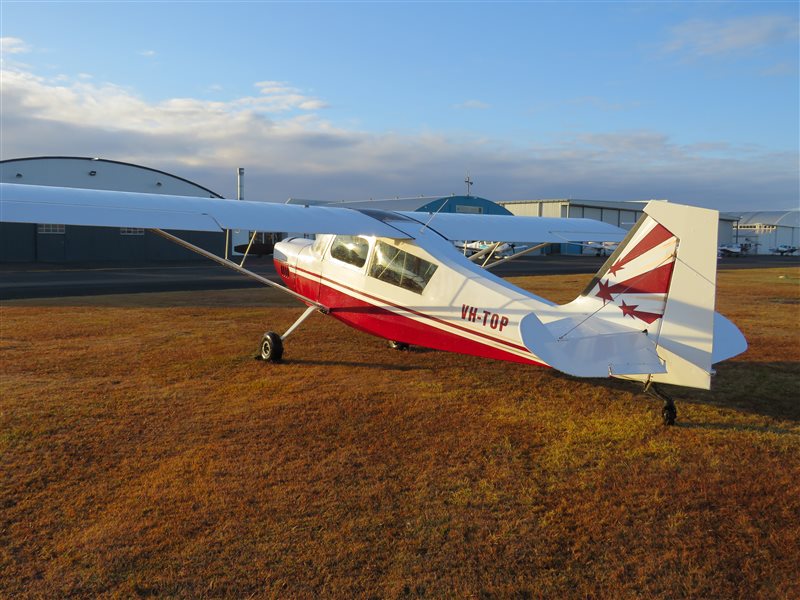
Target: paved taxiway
x: 48, y: 280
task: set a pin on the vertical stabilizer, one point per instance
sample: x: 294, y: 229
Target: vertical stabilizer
x: 686, y: 336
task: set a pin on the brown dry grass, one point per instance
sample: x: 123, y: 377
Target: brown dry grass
x: 143, y: 452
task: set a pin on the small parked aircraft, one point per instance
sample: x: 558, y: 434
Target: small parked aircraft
x: 784, y: 249
x: 646, y: 316
x: 501, y: 249
x: 604, y: 249
x: 734, y: 250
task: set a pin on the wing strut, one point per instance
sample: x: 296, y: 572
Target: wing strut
x: 239, y: 269
x: 517, y: 255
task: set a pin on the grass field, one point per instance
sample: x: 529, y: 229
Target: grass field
x: 143, y: 452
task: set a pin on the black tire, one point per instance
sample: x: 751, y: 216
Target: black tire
x: 668, y: 415
x: 271, y: 349
x: 398, y: 345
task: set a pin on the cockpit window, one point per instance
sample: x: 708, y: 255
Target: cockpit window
x: 350, y: 249
x: 400, y: 268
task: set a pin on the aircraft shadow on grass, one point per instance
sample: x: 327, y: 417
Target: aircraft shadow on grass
x: 346, y: 363
x: 737, y: 427
x: 785, y: 409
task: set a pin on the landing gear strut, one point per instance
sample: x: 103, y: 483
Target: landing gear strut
x: 271, y: 348
x: 668, y: 412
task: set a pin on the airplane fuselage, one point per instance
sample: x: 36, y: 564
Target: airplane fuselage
x: 421, y: 292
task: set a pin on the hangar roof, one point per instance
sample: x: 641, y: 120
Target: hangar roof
x: 449, y: 204
x: 781, y: 218
x: 618, y: 204
x: 97, y: 173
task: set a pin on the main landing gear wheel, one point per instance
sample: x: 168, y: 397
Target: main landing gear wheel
x: 271, y: 348
x: 398, y: 345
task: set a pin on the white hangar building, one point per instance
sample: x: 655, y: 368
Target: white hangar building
x: 621, y: 214
x: 765, y: 230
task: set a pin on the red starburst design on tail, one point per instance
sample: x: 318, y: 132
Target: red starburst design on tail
x: 629, y: 310
x: 654, y: 282
x: 655, y: 237
x: 605, y: 292
x: 651, y: 282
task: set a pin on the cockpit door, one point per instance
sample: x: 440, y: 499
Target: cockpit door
x: 344, y: 266
x: 309, y: 268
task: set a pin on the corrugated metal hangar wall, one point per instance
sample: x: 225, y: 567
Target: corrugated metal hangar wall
x: 620, y: 214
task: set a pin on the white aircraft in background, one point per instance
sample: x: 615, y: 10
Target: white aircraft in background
x: 498, y: 249
x: 734, y: 250
x: 603, y: 249
x: 783, y: 249
x: 647, y: 315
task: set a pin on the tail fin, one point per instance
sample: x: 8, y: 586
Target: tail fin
x: 660, y: 282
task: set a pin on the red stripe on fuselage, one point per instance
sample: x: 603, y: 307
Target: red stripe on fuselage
x: 413, y: 311
x: 387, y: 324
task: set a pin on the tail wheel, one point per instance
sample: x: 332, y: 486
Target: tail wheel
x: 668, y: 414
x: 271, y: 348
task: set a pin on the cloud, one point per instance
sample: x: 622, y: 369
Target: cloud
x: 781, y: 69
x: 290, y: 150
x: 472, y: 105
x: 148, y: 53
x: 12, y: 45
x: 704, y: 38
x: 280, y: 96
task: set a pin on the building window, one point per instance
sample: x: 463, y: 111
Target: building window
x: 50, y: 228
x: 131, y: 231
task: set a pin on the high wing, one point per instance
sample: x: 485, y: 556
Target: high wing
x: 103, y: 208
x: 76, y: 206
x: 509, y: 228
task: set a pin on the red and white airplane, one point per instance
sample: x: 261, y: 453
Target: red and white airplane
x: 647, y: 315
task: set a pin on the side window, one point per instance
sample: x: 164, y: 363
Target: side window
x: 350, y: 249
x: 400, y: 268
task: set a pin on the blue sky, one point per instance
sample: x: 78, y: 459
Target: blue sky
x: 695, y: 102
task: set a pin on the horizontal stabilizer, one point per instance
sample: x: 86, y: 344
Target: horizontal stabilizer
x: 583, y: 350
x: 728, y: 340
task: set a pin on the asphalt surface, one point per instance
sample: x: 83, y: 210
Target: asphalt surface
x: 19, y: 280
